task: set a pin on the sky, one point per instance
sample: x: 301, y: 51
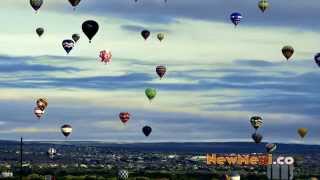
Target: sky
x: 218, y: 76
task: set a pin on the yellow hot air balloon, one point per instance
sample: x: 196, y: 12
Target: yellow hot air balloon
x: 302, y: 132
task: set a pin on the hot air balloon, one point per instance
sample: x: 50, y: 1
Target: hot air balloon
x: 123, y: 174
x: 302, y: 132
x: 66, y: 130
x: 235, y: 176
x: 317, y: 59
x: 263, y: 5
x: 235, y: 18
x: 270, y: 147
x: 52, y: 152
x: 313, y: 178
x: 36, y: 4
x: 146, y: 130
x: 145, y: 34
x: 105, y: 56
x: 161, y: 70
x: 160, y: 36
x: 75, y: 37
x: 256, y: 122
x: 42, y: 103
x: 90, y: 29
x: 74, y: 3
x: 38, y: 112
x: 150, y: 93
x: 68, y: 45
x: 40, y: 31
x: 124, y: 117
x: 287, y: 51
x: 257, y: 137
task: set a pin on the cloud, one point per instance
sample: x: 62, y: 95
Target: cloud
x: 9, y: 64
x: 30, y: 130
x: 280, y: 13
x: 138, y: 29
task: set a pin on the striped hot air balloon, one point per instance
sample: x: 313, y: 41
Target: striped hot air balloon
x: 236, y: 18
x: 161, y: 71
x: 68, y: 45
x: 42, y: 103
x: 52, y: 152
x: 256, y: 122
x: 66, y: 130
x: 270, y: 147
x: 38, y: 112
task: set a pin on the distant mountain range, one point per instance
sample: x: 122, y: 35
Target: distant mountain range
x: 187, y: 147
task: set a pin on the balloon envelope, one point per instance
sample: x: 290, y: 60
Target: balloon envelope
x: 124, y: 117
x: 38, y: 112
x: 271, y: 147
x: 52, y: 151
x: 287, y: 51
x: 161, y: 70
x: 256, y: 122
x: 75, y: 37
x: 42, y: 103
x: 146, y: 130
x: 151, y: 93
x: 160, y: 36
x: 68, y: 45
x: 74, y: 3
x: 36, y: 4
x: 145, y: 34
x: 257, y: 137
x: 40, y: 31
x: 66, y: 130
x: 105, y: 56
x: 263, y: 5
x: 302, y: 132
x: 235, y: 18
x: 90, y: 29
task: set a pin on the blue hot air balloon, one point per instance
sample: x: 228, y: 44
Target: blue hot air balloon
x: 235, y: 18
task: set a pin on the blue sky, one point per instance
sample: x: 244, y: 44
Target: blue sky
x: 218, y: 76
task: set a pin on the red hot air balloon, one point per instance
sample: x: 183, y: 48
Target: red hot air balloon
x: 105, y: 56
x: 124, y: 117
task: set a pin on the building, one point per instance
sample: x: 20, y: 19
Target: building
x: 6, y: 174
x: 280, y: 172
